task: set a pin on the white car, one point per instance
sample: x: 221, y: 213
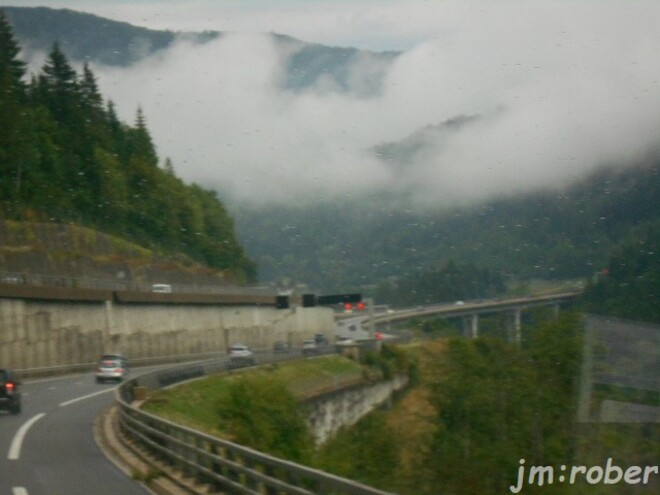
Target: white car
x: 162, y: 288
x: 241, y: 354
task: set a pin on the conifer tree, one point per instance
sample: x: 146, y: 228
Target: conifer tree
x: 89, y: 90
x: 12, y: 97
x: 142, y: 144
x: 11, y: 68
x: 58, y: 84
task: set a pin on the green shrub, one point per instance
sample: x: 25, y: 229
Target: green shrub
x: 263, y: 414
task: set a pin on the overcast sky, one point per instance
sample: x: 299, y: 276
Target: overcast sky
x: 559, y: 87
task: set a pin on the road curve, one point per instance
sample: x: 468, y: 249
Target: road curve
x: 49, y: 449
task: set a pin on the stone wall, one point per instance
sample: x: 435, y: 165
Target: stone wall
x: 328, y: 412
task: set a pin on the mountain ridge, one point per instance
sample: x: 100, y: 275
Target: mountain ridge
x: 87, y: 37
x: 552, y: 233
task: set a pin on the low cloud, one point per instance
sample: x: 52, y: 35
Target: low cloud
x: 552, y: 90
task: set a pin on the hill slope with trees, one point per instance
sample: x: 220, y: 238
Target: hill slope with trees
x: 629, y: 286
x: 553, y: 234
x: 66, y: 158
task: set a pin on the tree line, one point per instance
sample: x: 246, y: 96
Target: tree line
x: 355, y: 244
x: 66, y: 157
x: 449, y: 281
x: 629, y: 286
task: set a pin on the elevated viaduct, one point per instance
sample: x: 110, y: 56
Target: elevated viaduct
x: 470, y: 312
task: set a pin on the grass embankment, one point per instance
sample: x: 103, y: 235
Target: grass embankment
x: 198, y: 403
x: 260, y: 408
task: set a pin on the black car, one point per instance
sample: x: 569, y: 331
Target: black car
x: 281, y: 346
x: 10, y: 396
x: 310, y: 347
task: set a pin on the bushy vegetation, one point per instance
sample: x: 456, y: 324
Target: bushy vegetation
x: 263, y: 413
x: 66, y: 157
x: 488, y: 404
x: 368, y: 451
x: 498, y: 403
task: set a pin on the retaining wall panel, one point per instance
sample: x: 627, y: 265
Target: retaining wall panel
x: 36, y: 333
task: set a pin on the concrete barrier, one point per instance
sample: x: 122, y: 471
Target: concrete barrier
x: 72, y: 330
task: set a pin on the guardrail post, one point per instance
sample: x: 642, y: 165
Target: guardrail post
x: 216, y: 467
x: 230, y: 472
x: 270, y: 472
x: 250, y: 482
x: 139, y: 393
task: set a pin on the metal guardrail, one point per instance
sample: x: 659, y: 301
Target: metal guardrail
x: 65, y: 369
x: 219, y: 464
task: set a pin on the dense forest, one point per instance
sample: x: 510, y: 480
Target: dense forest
x: 629, y: 286
x: 553, y: 234
x: 65, y: 157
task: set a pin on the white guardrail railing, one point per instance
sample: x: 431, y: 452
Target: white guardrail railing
x: 222, y: 466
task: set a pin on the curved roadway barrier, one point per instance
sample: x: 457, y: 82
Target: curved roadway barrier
x: 212, y: 462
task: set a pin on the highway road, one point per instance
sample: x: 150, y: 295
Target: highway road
x: 49, y: 449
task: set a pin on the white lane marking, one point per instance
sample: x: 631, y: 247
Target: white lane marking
x: 17, y: 441
x: 19, y: 490
x: 77, y: 399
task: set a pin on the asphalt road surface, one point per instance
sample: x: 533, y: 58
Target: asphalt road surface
x: 49, y: 448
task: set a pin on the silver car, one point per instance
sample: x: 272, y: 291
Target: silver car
x: 112, y: 367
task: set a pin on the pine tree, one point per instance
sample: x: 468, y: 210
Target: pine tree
x: 58, y: 86
x: 89, y: 90
x: 142, y: 145
x: 11, y: 68
x: 12, y: 98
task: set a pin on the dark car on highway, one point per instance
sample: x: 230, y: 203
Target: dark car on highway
x: 10, y: 396
x: 310, y: 347
x: 281, y: 346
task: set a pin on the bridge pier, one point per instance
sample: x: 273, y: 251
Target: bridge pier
x: 514, y: 326
x: 471, y: 326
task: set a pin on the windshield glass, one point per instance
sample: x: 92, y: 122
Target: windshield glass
x: 463, y: 194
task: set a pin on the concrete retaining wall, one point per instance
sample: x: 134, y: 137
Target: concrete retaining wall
x: 327, y: 413
x: 42, y: 333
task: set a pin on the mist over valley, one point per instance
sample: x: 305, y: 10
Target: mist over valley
x: 343, y: 166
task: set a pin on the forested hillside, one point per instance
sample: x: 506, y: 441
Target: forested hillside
x: 629, y: 286
x: 384, y: 243
x: 86, y: 37
x: 65, y: 157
